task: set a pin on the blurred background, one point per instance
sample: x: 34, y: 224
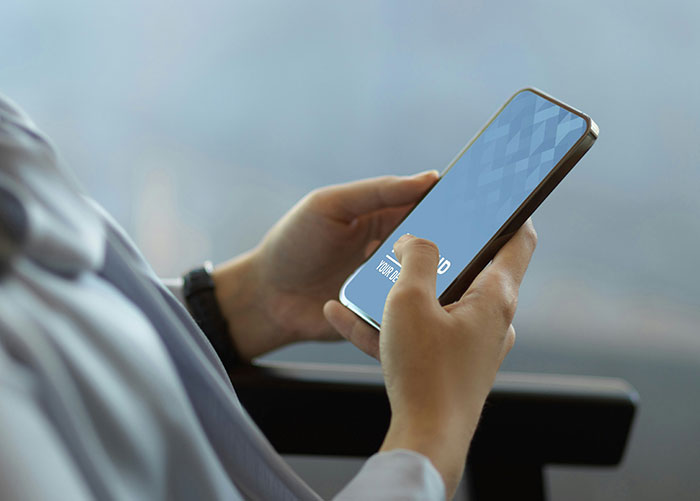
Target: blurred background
x: 198, y: 124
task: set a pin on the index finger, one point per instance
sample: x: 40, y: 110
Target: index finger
x: 505, y: 273
x: 419, y: 262
x: 514, y: 257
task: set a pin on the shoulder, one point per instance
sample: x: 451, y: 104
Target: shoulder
x: 43, y: 214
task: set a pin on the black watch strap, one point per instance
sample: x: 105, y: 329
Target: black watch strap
x: 198, y: 290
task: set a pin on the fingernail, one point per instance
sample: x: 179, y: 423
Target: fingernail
x: 431, y: 172
x: 399, y: 243
x: 404, y: 238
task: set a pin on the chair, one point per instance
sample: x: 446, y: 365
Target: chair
x: 529, y: 421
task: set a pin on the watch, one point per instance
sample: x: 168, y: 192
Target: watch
x: 198, y: 290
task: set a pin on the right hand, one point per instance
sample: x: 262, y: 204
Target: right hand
x: 440, y: 363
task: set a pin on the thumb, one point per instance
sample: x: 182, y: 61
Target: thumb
x: 351, y: 200
x: 419, y: 261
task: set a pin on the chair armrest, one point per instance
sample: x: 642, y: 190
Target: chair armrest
x: 342, y: 410
x: 529, y: 420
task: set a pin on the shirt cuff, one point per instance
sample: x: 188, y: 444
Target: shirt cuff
x: 393, y: 475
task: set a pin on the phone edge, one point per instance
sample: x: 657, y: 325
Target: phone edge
x: 352, y: 306
x: 341, y: 295
x: 462, y: 281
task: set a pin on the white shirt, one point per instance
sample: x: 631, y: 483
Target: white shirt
x: 108, y: 390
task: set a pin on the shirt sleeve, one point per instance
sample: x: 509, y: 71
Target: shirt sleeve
x: 395, y: 475
x: 175, y: 285
x: 398, y: 474
x: 34, y: 460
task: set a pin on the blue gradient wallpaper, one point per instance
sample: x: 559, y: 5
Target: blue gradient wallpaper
x: 493, y: 177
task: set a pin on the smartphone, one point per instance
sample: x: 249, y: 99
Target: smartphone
x: 481, y: 199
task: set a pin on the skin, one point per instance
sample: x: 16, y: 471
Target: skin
x: 439, y: 363
x: 275, y: 294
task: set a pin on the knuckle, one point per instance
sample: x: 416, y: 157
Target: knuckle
x: 510, y: 303
x: 510, y: 339
x: 407, y: 294
x: 504, y: 296
x: 316, y: 196
x: 390, y: 178
x: 385, y: 183
x: 531, y: 235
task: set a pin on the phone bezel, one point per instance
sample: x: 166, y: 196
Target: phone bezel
x: 461, y: 283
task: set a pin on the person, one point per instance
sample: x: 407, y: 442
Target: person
x: 109, y: 389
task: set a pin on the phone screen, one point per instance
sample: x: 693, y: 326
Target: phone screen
x: 475, y: 197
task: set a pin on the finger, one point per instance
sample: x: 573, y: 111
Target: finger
x: 509, y: 342
x: 371, y: 247
x: 514, y: 257
x: 511, y: 262
x: 348, y: 201
x: 419, y: 261
x: 386, y: 220
x: 499, y: 282
x: 352, y: 328
x: 381, y: 223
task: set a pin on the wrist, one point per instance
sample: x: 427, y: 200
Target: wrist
x: 443, y: 439
x: 241, y: 297
x: 430, y: 431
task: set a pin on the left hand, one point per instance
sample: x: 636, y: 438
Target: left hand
x: 275, y: 294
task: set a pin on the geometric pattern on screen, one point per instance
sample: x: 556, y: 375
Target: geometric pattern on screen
x: 512, y: 156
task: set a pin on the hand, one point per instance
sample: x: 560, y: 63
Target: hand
x: 439, y: 363
x: 275, y: 294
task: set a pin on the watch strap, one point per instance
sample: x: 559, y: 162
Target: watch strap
x: 199, y: 292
